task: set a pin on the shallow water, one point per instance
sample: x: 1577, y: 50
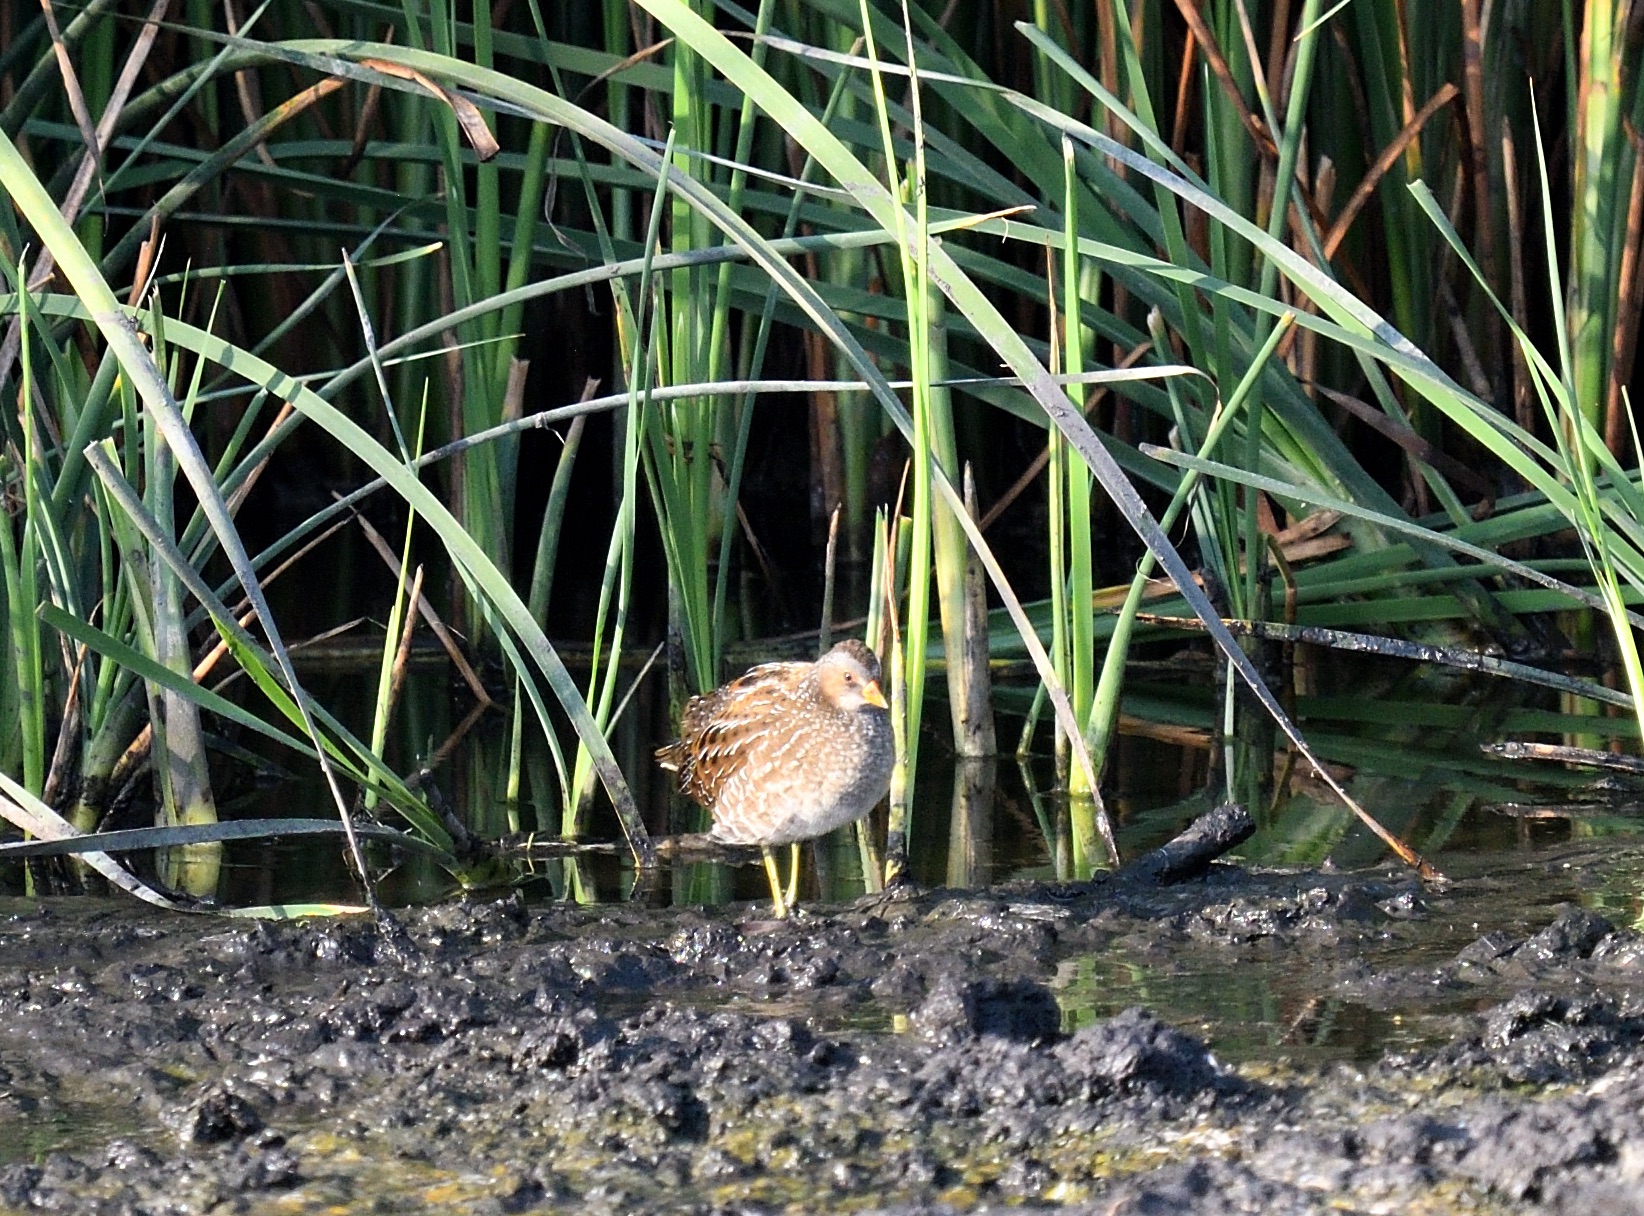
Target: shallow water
x: 1505, y: 875
x: 1002, y: 823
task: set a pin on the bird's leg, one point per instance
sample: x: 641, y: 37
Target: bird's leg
x: 793, y: 875
x: 776, y: 882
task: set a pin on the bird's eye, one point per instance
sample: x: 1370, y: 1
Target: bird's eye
x: 849, y: 678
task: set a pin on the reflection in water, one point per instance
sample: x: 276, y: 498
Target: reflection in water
x: 1006, y: 821
x: 974, y: 823
x: 970, y: 827
x: 192, y: 868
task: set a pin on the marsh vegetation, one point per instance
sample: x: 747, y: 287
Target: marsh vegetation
x: 1111, y: 368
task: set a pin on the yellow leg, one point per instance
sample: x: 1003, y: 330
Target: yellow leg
x: 793, y: 875
x: 776, y: 882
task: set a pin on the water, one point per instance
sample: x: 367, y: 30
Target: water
x: 1507, y: 871
x: 1003, y: 823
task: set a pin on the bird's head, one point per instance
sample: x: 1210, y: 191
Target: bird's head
x: 848, y: 676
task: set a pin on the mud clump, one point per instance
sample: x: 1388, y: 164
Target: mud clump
x: 923, y: 1056
x: 954, y: 1012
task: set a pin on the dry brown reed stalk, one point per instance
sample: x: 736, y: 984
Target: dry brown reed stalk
x: 1484, y: 233
x: 1389, y: 156
x: 68, y: 735
x: 1523, y: 398
x: 148, y: 254
x: 824, y: 638
x: 1185, y: 76
x: 1277, y: 36
x: 1214, y: 60
x: 435, y: 623
x: 71, y: 82
x: 1625, y: 341
x: 91, y: 160
x: 402, y: 653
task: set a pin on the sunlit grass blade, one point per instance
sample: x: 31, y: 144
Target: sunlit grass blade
x: 137, y: 364
x: 131, y: 839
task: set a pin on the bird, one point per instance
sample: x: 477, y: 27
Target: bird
x: 787, y: 752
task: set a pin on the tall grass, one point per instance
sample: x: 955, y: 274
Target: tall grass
x: 838, y: 188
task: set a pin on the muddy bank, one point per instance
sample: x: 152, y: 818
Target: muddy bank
x: 916, y: 1056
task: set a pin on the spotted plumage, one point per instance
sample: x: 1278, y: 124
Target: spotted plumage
x: 787, y: 751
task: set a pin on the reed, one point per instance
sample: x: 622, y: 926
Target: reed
x: 867, y: 191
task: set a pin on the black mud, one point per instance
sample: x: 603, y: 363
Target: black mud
x: 919, y: 1056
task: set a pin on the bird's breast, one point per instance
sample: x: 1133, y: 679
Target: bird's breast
x: 804, y: 784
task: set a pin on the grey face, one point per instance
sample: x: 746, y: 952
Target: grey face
x: 847, y: 684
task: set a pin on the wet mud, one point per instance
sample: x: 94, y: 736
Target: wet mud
x: 914, y: 1055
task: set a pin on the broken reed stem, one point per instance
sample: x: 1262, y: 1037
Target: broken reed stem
x: 975, y: 736
x: 824, y: 640
x: 402, y: 655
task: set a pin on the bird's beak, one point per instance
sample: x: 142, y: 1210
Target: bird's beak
x: 872, y: 695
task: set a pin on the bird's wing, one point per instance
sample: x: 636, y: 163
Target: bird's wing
x: 723, y: 730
